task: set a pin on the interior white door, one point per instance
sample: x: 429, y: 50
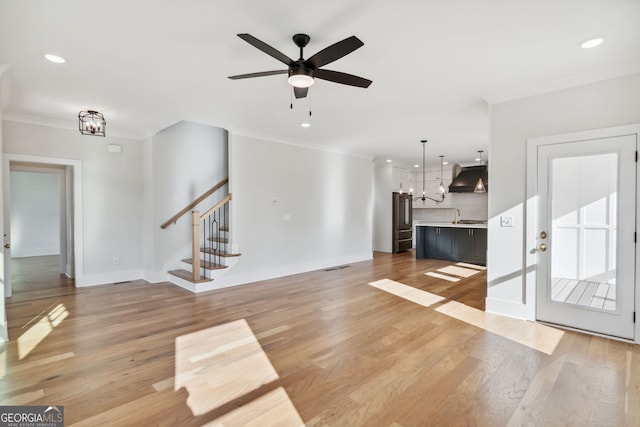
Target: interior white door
x: 586, y: 235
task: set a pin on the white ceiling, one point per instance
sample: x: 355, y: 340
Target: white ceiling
x: 148, y: 64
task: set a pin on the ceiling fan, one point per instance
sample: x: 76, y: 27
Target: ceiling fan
x: 302, y: 72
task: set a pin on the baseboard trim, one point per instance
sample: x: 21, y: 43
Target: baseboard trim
x: 508, y: 308
x: 108, y: 278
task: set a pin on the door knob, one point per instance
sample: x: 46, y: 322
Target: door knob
x: 543, y: 234
x: 6, y: 245
x: 543, y: 247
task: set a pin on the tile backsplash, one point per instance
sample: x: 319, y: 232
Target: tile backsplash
x: 471, y: 205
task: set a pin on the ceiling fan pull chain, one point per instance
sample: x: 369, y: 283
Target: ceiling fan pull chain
x: 291, y: 98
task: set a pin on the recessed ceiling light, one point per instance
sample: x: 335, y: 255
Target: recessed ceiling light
x: 305, y: 125
x: 477, y: 159
x: 55, y: 58
x: 416, y: 166
x: 588, y: 44
x: 445, y: 163
x: 389, y: 160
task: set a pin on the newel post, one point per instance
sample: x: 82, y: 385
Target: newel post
x: 195, y: 244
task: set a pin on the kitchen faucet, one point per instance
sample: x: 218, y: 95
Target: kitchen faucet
x: 456, y: 218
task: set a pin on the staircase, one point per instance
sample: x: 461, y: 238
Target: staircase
x: 211, y: 254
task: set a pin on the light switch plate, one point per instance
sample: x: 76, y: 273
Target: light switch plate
x: 506, y: 221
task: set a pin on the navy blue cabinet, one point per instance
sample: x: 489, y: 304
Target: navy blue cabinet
x: 452, y: 244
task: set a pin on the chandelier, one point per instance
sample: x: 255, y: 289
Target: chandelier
x: 91, y: 123
x: 441, y: 189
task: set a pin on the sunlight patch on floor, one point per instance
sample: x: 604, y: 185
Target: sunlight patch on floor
x: 221, y: 364
x: 40, y: 330
x: 425, y: 299
x: 533, y: 335
x: 467, y: 265
x: 458, y: 271
x: 441, y: 276
x: 271, y: 409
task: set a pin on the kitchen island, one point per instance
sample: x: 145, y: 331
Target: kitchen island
x: 465, y: 241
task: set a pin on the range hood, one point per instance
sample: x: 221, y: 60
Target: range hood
x: 465, y: 181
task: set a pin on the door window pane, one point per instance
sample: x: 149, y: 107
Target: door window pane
x: 583, y: 231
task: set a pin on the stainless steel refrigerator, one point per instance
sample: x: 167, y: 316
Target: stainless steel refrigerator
x: 402, y: 222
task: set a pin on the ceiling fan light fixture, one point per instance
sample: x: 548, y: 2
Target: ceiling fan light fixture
x: 301, y: 79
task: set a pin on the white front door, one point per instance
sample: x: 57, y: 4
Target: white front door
x: 586, y: 235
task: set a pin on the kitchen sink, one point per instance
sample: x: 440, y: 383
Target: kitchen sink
x: 471, y: 221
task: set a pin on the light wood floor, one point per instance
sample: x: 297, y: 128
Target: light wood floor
x: 327, y: 348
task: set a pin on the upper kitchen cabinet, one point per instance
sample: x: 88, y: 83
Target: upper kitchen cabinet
x: 400, y: 179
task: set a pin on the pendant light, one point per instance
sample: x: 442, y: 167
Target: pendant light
x: 441, y: 187
x: 480, y: 188
x: 424, y: 196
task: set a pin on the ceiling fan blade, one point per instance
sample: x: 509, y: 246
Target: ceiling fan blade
x: 343, y: 78
x: 300, y: 92
x: 333, y: 52
x: 259, y: 44
x: 260, y: 74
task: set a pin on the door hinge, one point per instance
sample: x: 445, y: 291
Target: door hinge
x: 636, y: 157
x: 635, y: 237
x: 634, y: 317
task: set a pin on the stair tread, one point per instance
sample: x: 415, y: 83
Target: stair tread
x: 206, y: 264
x: 187, y: 275
x: 217, y: 252
x: 218, y: 239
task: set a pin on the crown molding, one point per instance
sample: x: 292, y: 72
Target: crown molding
x: 565, y: 83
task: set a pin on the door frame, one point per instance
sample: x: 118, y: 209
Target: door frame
x: 531, y: 209
x: 75, y: 167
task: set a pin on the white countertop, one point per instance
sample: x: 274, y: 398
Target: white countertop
x: 447, y: 224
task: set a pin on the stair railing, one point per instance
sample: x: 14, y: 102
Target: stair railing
x: 195, y: 203
x: 208, y: 227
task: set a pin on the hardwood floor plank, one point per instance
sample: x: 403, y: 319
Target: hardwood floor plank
x: 322, y: 348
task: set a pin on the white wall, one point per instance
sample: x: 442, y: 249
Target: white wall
x: 35, y: 213
x: 112, y: 194
x: 4, y: 335
x: 598, y: 105
x: 187, y: 160
x: 382, y: 207
x: 296, y: 209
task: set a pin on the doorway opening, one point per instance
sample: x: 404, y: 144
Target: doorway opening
x: 42, y: 224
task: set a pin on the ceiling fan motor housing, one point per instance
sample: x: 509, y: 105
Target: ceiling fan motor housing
x: 301, y: 40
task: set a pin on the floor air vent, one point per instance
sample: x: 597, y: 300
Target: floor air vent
x: 340, y: 267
